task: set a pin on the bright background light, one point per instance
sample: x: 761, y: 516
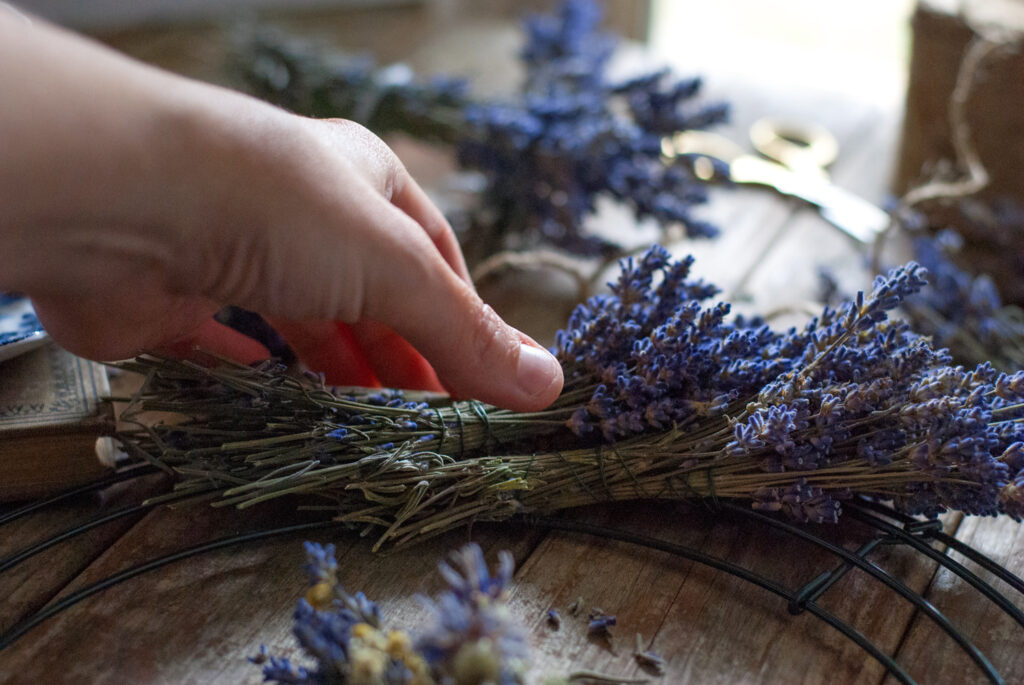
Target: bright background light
x: 859, y: 48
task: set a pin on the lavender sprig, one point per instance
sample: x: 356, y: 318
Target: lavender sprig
x: 571, y: 135
x: 666, y: 398
x: 472, y: 637
x: 962, y: 311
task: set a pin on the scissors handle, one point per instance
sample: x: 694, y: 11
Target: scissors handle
x: 853, y: 215
x: 804, y: 148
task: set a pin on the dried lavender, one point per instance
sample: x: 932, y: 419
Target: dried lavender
x: 565, y: 141
x: 600, y: 624
x: 963, y: 311
x: 666, y: 397
x: 299, y: 76
x: 571, y: 135
x: 472, y: 638
x: 647, y: 659
x: 993, y: 238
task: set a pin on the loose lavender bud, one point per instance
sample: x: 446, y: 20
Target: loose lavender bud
x: 648, y: 659
x: 474, y: 638
x: 321, y: 565
x: 600, y: 624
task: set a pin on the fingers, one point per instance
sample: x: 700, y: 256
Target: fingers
x: 214, y: 338
x: 328, y: 347
x: 367, y: 354
x: 396, y: 261
x: 341, y: 233
x: 382, y: 169
x: 394, y: 361
x: 411, y: 199
x: 129, y: 321
x: 474, y: 352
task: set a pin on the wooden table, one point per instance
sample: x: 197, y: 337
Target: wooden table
x: 197, y: 620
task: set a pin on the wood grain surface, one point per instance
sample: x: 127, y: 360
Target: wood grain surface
x: 196, y: 621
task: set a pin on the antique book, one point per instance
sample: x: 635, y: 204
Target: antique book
x: 54, y: 423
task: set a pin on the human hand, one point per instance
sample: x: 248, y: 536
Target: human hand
x: 177, y: 198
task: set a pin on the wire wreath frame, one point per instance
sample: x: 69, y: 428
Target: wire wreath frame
x: 888, y: 528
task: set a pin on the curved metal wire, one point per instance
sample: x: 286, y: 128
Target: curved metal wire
x: 914, y: 534
x: 909, y: 539
x: 1014, y: 581
x: 890, y: 664
x: 12, y: 560
x: 896, y: 586
x: 51, y: 610
x: 121, y: 476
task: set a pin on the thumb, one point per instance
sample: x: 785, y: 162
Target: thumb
x: 474, y: 353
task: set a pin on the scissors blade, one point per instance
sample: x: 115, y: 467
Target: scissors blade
x: 851, y: 214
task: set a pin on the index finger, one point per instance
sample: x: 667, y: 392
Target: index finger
x: 380, y: 166
x: 411, y: 199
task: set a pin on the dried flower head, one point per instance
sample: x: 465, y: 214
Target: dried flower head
x: 473, y: 638
x: 963, y: 311
x: 667, y: 396
x: 570, y: 135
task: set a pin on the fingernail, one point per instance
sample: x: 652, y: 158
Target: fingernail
x: 537, y: 370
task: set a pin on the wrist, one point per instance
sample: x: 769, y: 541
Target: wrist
x: 107, y: 159
x: 87, y: 165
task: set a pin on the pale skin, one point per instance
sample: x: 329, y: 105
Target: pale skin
x: 136, y: 203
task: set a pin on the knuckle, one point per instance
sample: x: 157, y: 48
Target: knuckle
x: 489, y: 337
x: 233, y: 267
x: 387, y: 172
x: 441, y: 231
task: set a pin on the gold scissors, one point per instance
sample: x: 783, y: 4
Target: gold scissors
x: 794, y: 161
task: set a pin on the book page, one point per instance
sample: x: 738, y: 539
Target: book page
x: 50, y: 387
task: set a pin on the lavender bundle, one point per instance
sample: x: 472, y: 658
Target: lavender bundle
x: 962, y: 311
x: 993, y: 238
x: 473, y: 637
x: 571, y: 135
x: 666, y: 398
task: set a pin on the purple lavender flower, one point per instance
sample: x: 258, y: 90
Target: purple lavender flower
x: 569, y: 40
x: 473, y: 630
x: 800, y: 501
x: 661, y: 357
x: 963, y: 310
x: 474, y: 637
x: 570, y: 135
x: 851, y: 385
x: 321, y: 565
x: 666, y: 395
x: 281, y: 670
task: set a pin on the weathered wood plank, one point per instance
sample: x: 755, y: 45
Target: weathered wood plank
x: 710, y: 626
x: 29, y: 585
x: 998, y: 637
x: 198, y: 620
x: 136, y: 631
